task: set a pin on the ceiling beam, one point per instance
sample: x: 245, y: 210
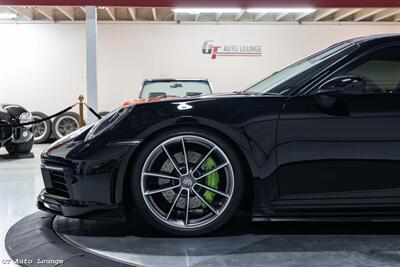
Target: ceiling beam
x: 83, y: 9
x: 281, y: 16
x: 259, y: 16
x: 67, y: 11
x: 344, y: 13
x: 323, y: 13
x: 23, y: 12
x: 196, y: 18
x: 365, y: 13
x: 154, y: 12
x: 132, y: 12
x: 302, y: 15
x: 111, y: 12
x: 386, y: 14
x: 239, y: 15
x: 218, y: 16
x: 48, y: 12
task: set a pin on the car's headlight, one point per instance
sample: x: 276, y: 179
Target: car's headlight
x: 25, y: 118
x: 107, y: 122
x: 72, y: 135
x: 66, y: 138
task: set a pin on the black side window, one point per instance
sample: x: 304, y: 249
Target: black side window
x: 380, y: 69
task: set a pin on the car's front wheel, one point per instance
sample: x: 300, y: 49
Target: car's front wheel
x: 187, y: 182
x: 20, y: 148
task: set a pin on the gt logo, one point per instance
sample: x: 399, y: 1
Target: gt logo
x: 209, y: 48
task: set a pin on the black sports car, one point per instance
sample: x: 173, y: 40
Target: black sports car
x: 319, y: 140
x: 16, y: 139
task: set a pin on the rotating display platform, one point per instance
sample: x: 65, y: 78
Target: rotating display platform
x: 240, y: 243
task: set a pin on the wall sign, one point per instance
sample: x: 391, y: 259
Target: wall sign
x: 215, y: 51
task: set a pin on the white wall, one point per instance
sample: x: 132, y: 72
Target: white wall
x: 42, y: 66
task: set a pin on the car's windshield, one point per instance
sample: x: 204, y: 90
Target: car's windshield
x: 175, y: 88
x: 282, y: 82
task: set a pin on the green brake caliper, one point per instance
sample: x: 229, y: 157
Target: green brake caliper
x: 212, y: 180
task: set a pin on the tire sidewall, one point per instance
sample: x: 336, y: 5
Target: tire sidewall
x: 56, y: 119
x: 48, y: 126
x: 20, y: 148
x: 135, y: 181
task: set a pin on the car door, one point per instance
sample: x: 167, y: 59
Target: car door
x: 352, y: 152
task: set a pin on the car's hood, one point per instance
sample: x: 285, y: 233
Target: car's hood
x: 223, y: 95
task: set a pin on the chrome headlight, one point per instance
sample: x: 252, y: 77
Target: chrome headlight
x: 25, y: 118
x: 107, y: 122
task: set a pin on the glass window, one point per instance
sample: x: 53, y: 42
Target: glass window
x: 380, y: 69
x: 158, y: 88
x: 284, y: 81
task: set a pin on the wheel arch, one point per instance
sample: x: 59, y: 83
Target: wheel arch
x: 247, y: 202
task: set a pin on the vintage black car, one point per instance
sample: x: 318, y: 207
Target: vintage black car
x: 15, y: 138
x: 319, y: 140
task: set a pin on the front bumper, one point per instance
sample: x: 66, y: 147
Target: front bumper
x: 62, y: 192
x: 84, y: 180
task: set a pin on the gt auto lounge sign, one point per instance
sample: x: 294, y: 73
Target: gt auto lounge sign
x: 209, y: 48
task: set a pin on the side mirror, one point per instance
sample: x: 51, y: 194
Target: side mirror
x: 343, y: 85
x: 331, y: 91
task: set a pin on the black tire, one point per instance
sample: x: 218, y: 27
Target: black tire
x: 44, y: 126
x: 135, y: 183
x: 103, y: 113
x: 21, y: 148
x: 71, y: 123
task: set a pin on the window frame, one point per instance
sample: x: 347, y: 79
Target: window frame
x: 333, y: 74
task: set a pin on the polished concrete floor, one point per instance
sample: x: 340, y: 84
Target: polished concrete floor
x: 20, y: 183
x: 241, y: 244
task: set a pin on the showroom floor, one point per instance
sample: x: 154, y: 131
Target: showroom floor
x: 20, y: 183
x: 240, y: 243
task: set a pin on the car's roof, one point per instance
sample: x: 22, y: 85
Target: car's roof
x: 379, y: 37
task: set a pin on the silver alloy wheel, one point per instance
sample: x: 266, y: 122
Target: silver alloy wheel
x: 174, y: 182
x: 39, y: 129
x: 66, y: 125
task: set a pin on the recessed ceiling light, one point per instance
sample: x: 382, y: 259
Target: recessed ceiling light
x: 280, y: 10
x: 206, y: 10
